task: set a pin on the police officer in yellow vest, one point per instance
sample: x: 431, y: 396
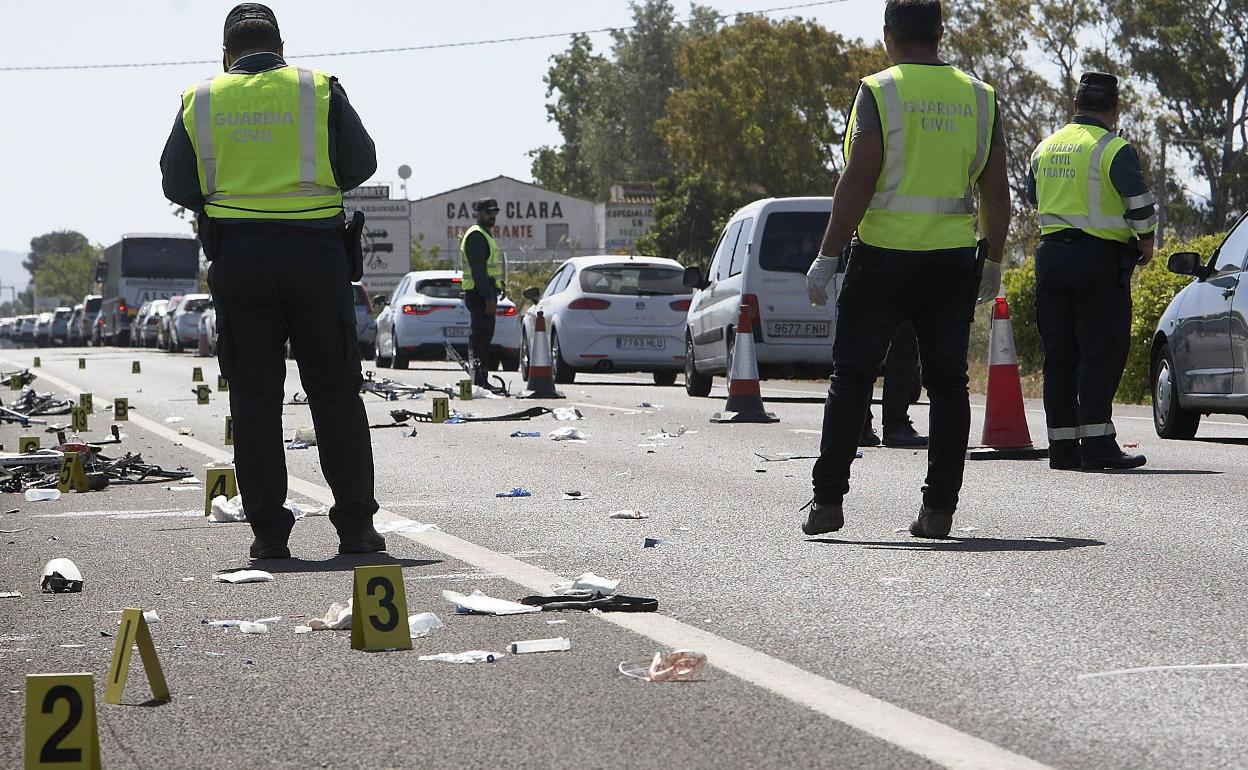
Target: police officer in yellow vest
x: 482, y: 262
x: 1097, y: 220
x: 922, y: 136
x: 262, y: 153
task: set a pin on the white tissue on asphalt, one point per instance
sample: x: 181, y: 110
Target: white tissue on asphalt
x: 486, y: 605
x: 244, y: 576
x: 471, y: 656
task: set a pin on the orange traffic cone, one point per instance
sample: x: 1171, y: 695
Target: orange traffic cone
x: 745, y: 402
x: 541, y: 382
x: 1005, y: 423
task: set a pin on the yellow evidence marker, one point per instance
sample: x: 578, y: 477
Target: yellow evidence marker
x: 465, y: 390
x: 82, y: 363
x: 379, y: 610
x: 87, y: 401
x: 222, y: 384
x: 15, y: 381
x: 441, y: 408
x: 201, y: 394
x: 134, y: 631
x: 121, y: 409
x: 27, y: 444
x: 220, y: 483
x: 197, y: 374
x: 135, y: 368
x: 38, y: 362
x: 78, y: 418
x: 61, y: 732
x: 229, y: 430
x: 72, y: 474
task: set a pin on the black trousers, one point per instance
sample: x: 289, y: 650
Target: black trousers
x: 883, y: 290
x: 1083, y: 309
x: 483, y: 322
x: 271, y: 283
x: 901, y: 366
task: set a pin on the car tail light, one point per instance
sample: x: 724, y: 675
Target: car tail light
x: 681, y: 305
x: 422, y: 309
x: 750, y: 303
x: 506, y: 311
x: 122, y: 308
x: 588, y: 303
x: 457, y: 280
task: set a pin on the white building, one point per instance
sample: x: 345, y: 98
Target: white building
x: 534, y: 224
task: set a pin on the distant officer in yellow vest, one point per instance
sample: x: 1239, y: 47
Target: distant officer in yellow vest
x: 1097, y: 220
x: 262, y: 154
x: 482, y: 262
x: 922, y: 136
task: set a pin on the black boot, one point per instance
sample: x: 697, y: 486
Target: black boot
x: 823, y: 518
x: 1064, y: 455
x: 932, y: 523
x: 904, y: 436
x: 869, y: 436
x: 1112, y: 461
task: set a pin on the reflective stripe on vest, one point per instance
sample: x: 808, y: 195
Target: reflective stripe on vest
x: 1095, y: 207
x: 903, y: 214
x: 493, y: 265
x: 251, y: 177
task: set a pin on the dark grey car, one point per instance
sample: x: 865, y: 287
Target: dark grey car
x: 1200, y: 347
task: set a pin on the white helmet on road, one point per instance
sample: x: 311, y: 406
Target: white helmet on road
x: 61, y: 576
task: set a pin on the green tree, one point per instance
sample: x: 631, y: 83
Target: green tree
x: 67, y: 274
x: 689, y: 215
x: 573, y: 83
x: 1195, y: 58
x: 55, y: 242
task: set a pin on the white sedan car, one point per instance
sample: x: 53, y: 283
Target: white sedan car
x: 427, y: 311
x: 612, y: 314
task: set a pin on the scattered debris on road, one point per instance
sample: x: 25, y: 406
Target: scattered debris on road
x: 674, y: 666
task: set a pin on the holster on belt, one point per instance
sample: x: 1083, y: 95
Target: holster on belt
x: 353, y: 238
x: 981, y: 256
x: 1130, y: 258
x: 209, y: 236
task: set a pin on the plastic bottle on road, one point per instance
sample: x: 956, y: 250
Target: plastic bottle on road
x: 39, y: 495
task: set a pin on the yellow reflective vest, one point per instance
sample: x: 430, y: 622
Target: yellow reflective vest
x: 262, y: 144
x: 493, y: 267
x: 1073, y: 188
x: 937, y: 128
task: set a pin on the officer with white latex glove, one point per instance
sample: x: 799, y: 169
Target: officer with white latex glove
x: 822, y: 272
x: 989, y: 282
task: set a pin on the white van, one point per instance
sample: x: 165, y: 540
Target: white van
x: 761, y: 262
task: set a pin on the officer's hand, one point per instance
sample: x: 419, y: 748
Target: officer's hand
x: 822, y: 272
x: 989, y: 282
x: 1146, y: 252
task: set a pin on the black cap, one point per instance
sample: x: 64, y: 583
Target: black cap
x: 1097, y: 91
x: 248, y: 12
x: 485, y: 204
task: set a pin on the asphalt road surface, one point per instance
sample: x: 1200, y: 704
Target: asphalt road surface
x: 1014, y: 644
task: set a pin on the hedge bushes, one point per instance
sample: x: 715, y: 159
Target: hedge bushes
x: 1152, y: 288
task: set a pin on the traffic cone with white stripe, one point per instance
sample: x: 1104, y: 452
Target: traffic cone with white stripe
x: 541, y: 381
x: 745, y: 401
x: 1005, y: 435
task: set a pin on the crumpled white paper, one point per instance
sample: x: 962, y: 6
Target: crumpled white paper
x: 471, y: 656
x: 585, y: 585
x: 306, y: 435
x: 420, y: 625
x: 413, y: 527
x: 568, y: 434
x: 567, y: 413
x: 244, y: 576
x: 232, y: 509
x: 338, y: 617
x: 247, y: 627
x: 486, y: 605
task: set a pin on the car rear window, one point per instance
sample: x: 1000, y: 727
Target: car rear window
x: 94, y: 304
x: 195, y: 305
x: 635, y: 280
x: 441, y: 288
x: 791, y: 240
x: 361, y: 296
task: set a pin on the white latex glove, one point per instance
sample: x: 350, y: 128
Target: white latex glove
x: 989, y: 282
x: 822, y: 272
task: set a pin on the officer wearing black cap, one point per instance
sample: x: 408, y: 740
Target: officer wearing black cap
x: 1097, y: 220
x: 262, y: 154
x: 482, y: 262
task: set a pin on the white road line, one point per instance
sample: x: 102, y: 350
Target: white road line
x: 927, y: 738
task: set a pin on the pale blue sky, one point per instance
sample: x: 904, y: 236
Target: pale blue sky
x: 80, y: 148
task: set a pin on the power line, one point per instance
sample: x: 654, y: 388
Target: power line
x: 401, y: 49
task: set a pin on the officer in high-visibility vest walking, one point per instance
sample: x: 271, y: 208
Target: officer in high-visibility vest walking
x: 262, y: 153
x: 1097, y: 220
x: 482, y: 262
x: 922, y: 135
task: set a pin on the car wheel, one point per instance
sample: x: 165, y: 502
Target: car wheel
x: 1169, y: 418
x: 564, y: 374
x: 665, y: 379
x: 524, y: 357
x: 697, y: 385
x: 381, y: 362
x: 400, y: 361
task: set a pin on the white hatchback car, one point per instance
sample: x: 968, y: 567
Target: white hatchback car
x: 761, y: 263
x: 427, y: 311
x: 612, y: 314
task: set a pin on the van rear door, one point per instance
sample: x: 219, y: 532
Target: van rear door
x: 788, y: 243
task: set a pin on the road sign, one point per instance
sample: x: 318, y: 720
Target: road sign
x: 78, y: 418
x: 134, y: 631
x: 135, y: 368
x: 88, y: 402
x: 387, y: 236
x: 465, y: 390
x: 72, y: 474
x: 82, y: 363
x: 27, y: 444
x: 38, y: 363
x: 61, y: 733
x: 379, y: 610
x: 222, y: 384
x: 15, y: 381
x: 202, y: 392
x: 197, y: 374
